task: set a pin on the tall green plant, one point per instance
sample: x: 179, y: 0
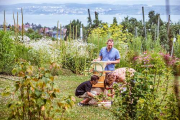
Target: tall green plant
x: 7, y: 54
x: 135, y: 45
x: 177, y: 47
x: 36, y: 94
x: 136, y: 88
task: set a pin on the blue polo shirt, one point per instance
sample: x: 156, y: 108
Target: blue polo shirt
x: 112, y: 55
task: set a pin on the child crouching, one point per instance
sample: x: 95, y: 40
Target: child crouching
x: 83, y: 90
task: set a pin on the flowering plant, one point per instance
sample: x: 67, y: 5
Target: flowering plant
x: 143, y: 59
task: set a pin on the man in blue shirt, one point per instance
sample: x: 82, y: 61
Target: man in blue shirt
x: 109, y: 54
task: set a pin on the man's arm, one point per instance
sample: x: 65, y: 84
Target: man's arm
x: 99, y: 59
x: 113, y: 62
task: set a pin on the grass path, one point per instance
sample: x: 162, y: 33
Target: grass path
x: 67, y: 86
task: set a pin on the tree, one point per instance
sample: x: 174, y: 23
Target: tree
x: 115, y: 21
x: 131, y: 24
x: 96, y: 22
x: 153, y: 19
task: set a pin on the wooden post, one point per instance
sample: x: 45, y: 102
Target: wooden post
x: 168, y: 34
x: 4, y: 21
x: 73, y: 32
x: 136, y: 34
x: 167, y: 9
x: 168, y: 27
x: 17, y: 25
x: 155, y: 33
x: 158, y: 26
x: 60, y: 34
x: 144, y: 22
x: 57, y: 30
x: 14, y: 23
x: 98, y: 44
x: 22, y: 24
x: 44, y: 31
x: 76, y: 32
x: 90, y: 17
x: 70, y: 32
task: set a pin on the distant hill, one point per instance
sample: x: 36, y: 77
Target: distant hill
x: 81, y: 9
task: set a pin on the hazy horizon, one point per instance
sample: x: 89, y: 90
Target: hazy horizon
x: 120, y: 2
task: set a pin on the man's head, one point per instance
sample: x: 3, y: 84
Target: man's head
x: 94, y: 79
x: 110, y: 44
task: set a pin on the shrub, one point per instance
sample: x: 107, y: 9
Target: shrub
x: 77, y: 56
x: 11, y: 51
x: 35, y: 94
x: 177, y: 47
x: 33, y: 35
x: 7, y: 52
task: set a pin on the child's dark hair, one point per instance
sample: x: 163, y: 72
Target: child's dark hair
x: 94, y: 77
x: 108, y: 74
x: 106, y: 83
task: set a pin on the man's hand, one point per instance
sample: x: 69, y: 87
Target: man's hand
x: 108, y: 62
x: 95, y: 60
x: 98, y: 59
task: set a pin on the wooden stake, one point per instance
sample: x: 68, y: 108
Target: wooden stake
x: 14, y: 23
x: 73, y: 32
x: 158, y: 26
x: 60, y: 33
x: 57, y: 30
x: 17, y: 24
x: 70, y: 32
x: 76, y: 32
x: 144, y: 23
x: 136, y: 35
x: 22, y: 24
x: 4, y: 21
x: 90, y: 18
x: 168, y: 27
x: 155, y: 33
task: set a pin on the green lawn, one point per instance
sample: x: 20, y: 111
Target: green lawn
x: 67, y: 86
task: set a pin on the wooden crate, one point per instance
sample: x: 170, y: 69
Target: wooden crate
x: 100, y: 83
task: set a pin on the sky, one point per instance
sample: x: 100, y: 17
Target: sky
x: 126, y: 2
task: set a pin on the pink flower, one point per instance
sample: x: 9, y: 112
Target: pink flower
x: 145, y: 52
x: 135, y: 58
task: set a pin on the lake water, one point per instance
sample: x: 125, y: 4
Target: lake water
x: 51, y: 20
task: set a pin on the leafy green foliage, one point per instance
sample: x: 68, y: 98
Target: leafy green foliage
x: 76, y: 56
x: 36, y: 94
x: 130, y: 24
x: 7, y: 52
x: 144, y: 99
x: 32, y: 34
x: 71, y: 28
x: 137, y: 87
x: 177, y: 47
x: 11, y: 51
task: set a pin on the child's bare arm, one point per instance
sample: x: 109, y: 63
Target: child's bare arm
x: 90, y: 94
x: 112, y: 93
